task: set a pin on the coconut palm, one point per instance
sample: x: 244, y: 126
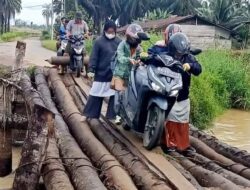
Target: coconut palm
x: 100, y: 10
x: 8, y: 10
x: 182, y: 8
x: 47, y: 13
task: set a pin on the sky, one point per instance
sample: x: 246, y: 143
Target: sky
x: 32, y: 14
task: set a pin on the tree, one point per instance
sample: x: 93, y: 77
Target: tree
x: 233, y: 14
x: 132, y: 10
x: 101, y: 10
x: 47, y: 13
x: 182, y: 8
x: 8, y: 10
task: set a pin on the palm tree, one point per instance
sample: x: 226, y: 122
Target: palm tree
x: 101, y: 10
x: 182, y: 7
x: 8, y: 10
x: 47, y: 13
x: 132, y: 10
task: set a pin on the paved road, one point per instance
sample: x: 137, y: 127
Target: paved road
x: 35, y: 53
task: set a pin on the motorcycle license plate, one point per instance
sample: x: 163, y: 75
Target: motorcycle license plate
x: 168, y: 73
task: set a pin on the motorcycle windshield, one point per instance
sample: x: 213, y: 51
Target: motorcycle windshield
x: 165, y: 78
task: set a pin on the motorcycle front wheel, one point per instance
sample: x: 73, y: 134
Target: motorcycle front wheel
x: 78, y: 68
x: 154, y: 126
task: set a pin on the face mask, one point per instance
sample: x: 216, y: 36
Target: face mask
x: 110, y: 36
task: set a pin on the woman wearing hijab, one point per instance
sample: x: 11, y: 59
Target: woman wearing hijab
x: 99, y: 70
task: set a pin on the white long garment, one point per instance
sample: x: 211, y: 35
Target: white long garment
x: 101, y: 89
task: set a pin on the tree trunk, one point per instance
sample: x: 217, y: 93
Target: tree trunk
x: 33, y: 152
x: 210, y: 165
x: 113, y: 173
x: 186, y: 174
x: 206, y: 151
x: 82, y: 173
x: 233, y: 153
x: 54, y: 175
x: 5, y: 151
x: 205, y: 177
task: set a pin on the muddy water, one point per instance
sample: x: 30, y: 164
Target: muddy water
x: 233, y: 127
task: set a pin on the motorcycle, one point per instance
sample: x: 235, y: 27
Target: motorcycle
x: 77, y: 49
x: 151, y: 93
x: 63, y: 44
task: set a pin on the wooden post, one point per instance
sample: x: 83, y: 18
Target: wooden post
x: 5, y: 132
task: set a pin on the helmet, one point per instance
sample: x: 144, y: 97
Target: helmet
x: 131, y: 35
x: 178, y: 45
x: 78, y: 15
x: 133, y: 29
x: 170, y: 30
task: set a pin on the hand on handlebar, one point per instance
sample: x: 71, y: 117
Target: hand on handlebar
x: 134, y: 62
x: 186, y: 67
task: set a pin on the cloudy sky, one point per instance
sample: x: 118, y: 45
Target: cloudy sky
x: 32, y: 11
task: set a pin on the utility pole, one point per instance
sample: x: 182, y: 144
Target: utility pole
x: 76, y: 5
x: 52, y: 18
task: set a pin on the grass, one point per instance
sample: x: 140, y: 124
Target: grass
x: 12, y: 36
x: 51, y: 45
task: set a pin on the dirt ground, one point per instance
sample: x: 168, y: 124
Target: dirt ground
x: 35, y: 53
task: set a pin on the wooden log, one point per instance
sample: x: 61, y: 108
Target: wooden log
x: 143, y: 177
x: 212, y: 166
x: 15, y: 122
x: 114, y: 174
x: 237, y: 155
x: 205, y: 177
x: 82, y: 173
x: 208, y: 152
x: 64, y: 60
x: 54, y: 175
x: 186, y: 174
x: 33, y: 152
x: 5, y: 151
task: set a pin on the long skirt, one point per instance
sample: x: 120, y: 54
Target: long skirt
x: 98, y: 91
x: 176, y: 134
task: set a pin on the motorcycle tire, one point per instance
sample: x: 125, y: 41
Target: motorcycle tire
x: 154, y: 127
x: 78, y: 68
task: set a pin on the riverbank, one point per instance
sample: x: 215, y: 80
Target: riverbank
x: 233, y: 127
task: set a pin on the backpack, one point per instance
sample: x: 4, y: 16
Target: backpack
x: 113, y: 62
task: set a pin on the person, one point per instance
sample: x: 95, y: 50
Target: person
x: 99, y: 69
x: 56, y: 26
x: 176, y: 135
x: 161, y: 46
x: 62, y: 32
x: 128, y: 53
x: 76, y: 26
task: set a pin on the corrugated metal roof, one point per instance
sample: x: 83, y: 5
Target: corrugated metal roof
x: 163, y: 23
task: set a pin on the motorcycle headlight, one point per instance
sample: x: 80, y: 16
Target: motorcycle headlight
x: 174, y: 93
x: 78, y: 51
x: 156, y: 87
x: 64, y: 45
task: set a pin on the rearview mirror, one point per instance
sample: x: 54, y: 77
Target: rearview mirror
x: 143, y: 36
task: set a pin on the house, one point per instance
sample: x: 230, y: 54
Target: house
x: 202, y: 33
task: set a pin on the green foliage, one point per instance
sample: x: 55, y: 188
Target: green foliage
x: 49, y: 44
x: 224, y: 83
x: 45, y: 35
x: 10, y: 36
x: 4, y: 70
